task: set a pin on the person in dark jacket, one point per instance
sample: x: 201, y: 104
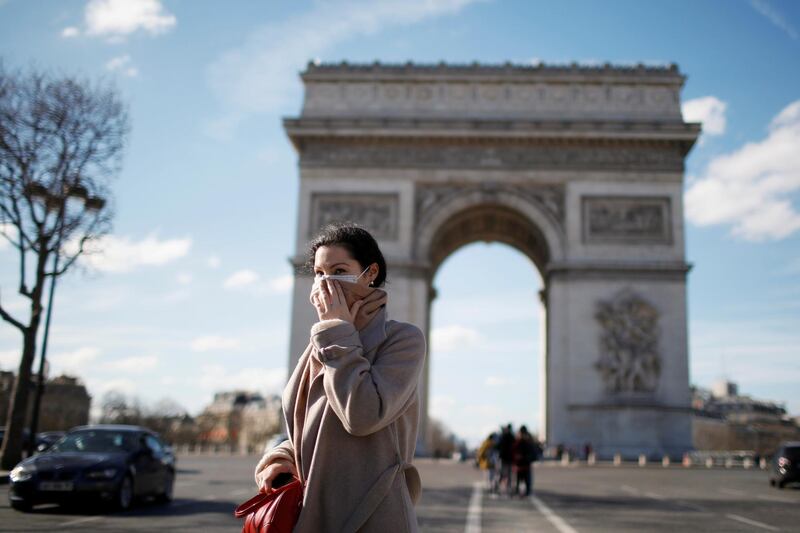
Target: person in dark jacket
x: 505, y: 449
x: 525, y: 451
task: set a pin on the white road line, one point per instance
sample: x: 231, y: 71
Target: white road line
x: 751, y: 522
x: 654, y: 495
x: 83, y: 520
x: 552, y: 517
x: 629, y: 490
x: 473, y: 524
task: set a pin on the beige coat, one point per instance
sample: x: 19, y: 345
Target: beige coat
x: 352, y: 409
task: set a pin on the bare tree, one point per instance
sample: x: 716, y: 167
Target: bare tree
x: 61, y: 142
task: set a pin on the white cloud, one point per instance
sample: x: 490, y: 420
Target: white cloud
x: 213, y: 262
x: 214, y: 342
x: 709, y: 110
x: 219, y: 377
x: 749, y: 189
x: 119, y: 18
x: 282, y: 284
x: 135, y: 364
x: 9, y: 360
x: 240, y: 279
x: 774, y: 16
x: 184, y: 278
x: 121, y: 254
x: 441, y: 405
x: 69, y: 32
x: 74, y: 361
x: 261, y: 75
x: 499, y: 381
x: 7, y: 231
x: 452, y: 337
x: 122, y: 64
x: 122, y: 385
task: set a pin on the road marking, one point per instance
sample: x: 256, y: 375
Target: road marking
x: 552, y: 517
x: 751, y: 522
x: 83, y: 520
x: 775, y: 499
x: 629, y: 490
x: 654, y: 496
x: 473, y: 524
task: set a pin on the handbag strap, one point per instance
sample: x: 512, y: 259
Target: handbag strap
x: 262, y: 498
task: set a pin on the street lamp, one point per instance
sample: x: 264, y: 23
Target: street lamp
x: 53, y: 202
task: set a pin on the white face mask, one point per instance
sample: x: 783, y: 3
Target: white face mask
x: 349, y: 278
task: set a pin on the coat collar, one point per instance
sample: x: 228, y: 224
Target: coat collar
x: 374, y: 333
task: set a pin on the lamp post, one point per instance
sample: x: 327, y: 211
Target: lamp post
x: 55, y: 202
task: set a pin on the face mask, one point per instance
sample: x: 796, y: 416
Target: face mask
x: 349, y: 278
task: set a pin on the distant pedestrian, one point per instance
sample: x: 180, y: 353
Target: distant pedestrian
x: 505, y: 449
x: 488, y: 459
x: 526, y: 450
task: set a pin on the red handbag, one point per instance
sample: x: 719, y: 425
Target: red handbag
x: 273, y: 512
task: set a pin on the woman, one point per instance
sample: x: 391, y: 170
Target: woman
x: 351, y: 405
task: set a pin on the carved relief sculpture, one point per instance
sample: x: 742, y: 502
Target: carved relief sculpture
x: 629, y: 359
x: 376, y: 212
x: 628, y: 219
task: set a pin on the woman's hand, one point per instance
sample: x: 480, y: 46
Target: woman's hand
x: 330, y: 302
x: 265, y: 478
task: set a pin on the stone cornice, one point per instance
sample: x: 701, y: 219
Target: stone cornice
x: 654, y: 269
x: 504, y: 72
x: 481, y: 131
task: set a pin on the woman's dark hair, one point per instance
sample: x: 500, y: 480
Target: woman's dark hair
x: 356, y: 240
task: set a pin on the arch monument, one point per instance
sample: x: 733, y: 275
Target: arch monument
x: 579, y: 168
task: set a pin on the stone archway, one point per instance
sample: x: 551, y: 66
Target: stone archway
x: 579, y: 168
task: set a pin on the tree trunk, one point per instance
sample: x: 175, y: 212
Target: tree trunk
x: 17, y: 419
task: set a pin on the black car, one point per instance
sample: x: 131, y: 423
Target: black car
x: 114, y: 463
x: 785, y: 467
x: 47, y: 438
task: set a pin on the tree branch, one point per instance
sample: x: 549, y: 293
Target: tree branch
x: 11, y: 320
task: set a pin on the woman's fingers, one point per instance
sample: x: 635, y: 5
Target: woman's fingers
x: 267, y: 475
x: 354, y: 310
x: 338, y: 294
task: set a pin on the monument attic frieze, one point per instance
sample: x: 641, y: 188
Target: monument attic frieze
x: 522, y: 91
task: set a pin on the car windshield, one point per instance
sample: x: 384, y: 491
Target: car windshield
x: 97, y: 441
x: 792, y: 453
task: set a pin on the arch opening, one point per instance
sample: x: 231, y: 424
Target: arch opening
x: 489, y: 223
x: 487, y: 343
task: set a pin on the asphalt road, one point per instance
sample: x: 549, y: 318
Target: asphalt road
x: 566, y: 500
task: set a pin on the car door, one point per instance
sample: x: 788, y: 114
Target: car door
x: 146, y: 466
x: 159, y: 468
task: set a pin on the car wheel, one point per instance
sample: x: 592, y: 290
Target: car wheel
x: 21, y: 505
x: 124, y: 496
x: 771, y: 482
x: 165, y: 496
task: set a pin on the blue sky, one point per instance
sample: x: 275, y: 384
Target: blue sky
x: 192, y: 295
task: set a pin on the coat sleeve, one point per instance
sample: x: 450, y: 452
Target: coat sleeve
x: 284, y: 451
x: 368, y: 397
